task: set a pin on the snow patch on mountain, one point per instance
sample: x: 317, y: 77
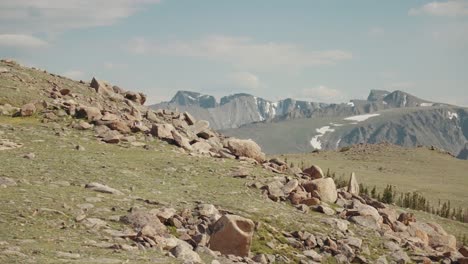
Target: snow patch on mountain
x: 360, y: 118
x: 426, y: 104
x: 315, y: 142
x: 451, y: 115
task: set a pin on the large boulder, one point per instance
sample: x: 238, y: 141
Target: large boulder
x: 162, y: 131
x: 232, y: 235
x: 120, y: 126
x: 245, y: 148
x: 28, y: 109
x: 184, y: 252
x: 180, y: 140
x: 314, y: 172
x: 437, y: 237
x: 101, y: 87
x: 139, y: 219
x: 89, y: 112
x: 325, y: 188
x: 365, y: 215
x: 353, y: 185
x: 199, y: 126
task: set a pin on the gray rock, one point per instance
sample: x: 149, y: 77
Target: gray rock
x: 185, y: 252
x: 400, y: 257
x: 180, y: 140
x: 5, y: 181
x: 339, y: 224
x: 98, y: 187
x: 312, y: 254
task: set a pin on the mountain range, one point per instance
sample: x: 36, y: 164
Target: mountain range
x: 290, y: 125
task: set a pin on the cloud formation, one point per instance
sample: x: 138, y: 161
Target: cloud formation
x: 245, y: 80
x: 74, y: 74
x: 242, y: 52
x: 321, y: 94
x: 28, y: 16
x: 448, y: 8
x: 20, y: 41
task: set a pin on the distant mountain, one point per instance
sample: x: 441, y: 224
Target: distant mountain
x: 298, y: 126
x: 241, y: 109
x: 463, y: 153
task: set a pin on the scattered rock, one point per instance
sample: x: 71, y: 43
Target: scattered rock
x: 98, y: 187
x: 5, y: 181
x: 313, y: 255
x: 68, y: 255
x: 185, y: 252
x: 29, y: 156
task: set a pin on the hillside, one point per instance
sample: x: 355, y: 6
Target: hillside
x: 92, y: 175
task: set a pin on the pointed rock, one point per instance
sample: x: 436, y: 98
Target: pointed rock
x: 353, y: 185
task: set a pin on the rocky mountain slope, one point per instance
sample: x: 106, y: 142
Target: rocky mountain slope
x: 240, y: 109
x: 91, y: 175
x: 444, y: 127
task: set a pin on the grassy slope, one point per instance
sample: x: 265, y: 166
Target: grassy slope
x: 435, y: 175
x: 161, y: 174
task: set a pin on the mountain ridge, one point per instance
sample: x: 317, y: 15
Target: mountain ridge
x: 239, y: 109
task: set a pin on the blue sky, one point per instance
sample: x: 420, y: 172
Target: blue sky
x: 318, y: 50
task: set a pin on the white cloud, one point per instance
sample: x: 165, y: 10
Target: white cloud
x: 58, y: 15
x: 21, y: 41
x: 74, y: 74
x: 321, y: 94
x: 242, y: 52
x: 400, y: 85
x: 245, y: 80
x: 447, y: 8
x: 115, y: 66
x: 376, y: 31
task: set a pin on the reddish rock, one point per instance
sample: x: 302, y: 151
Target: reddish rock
x: 314, y: 172
x: 232, y: 235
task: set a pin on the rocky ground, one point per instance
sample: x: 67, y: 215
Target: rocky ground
x: 91, y: 175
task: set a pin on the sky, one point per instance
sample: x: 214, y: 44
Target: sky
x: 314, y: 50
